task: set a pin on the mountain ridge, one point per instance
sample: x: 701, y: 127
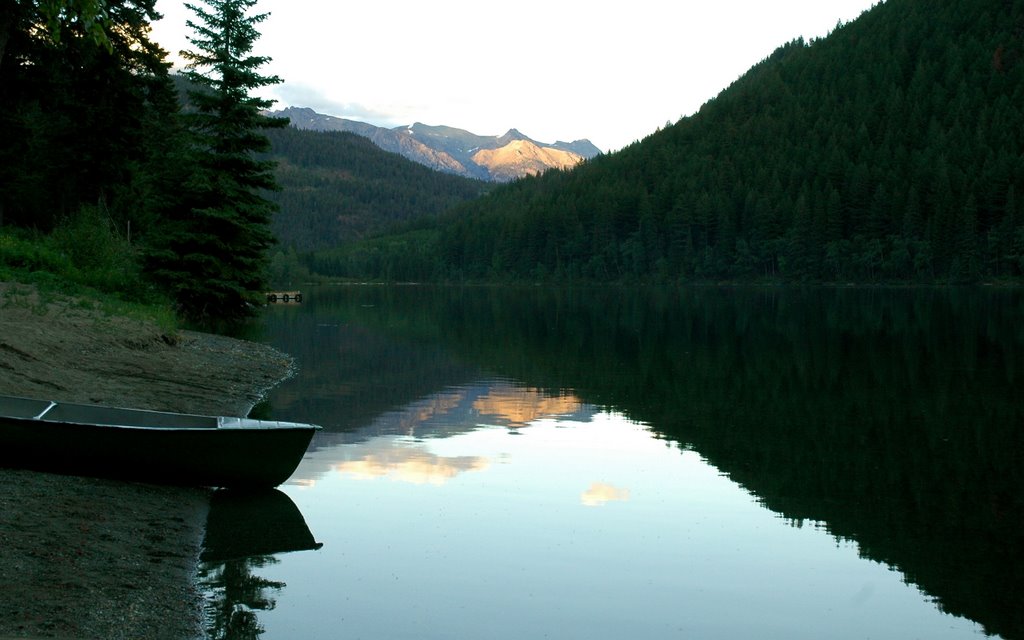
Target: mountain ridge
x: 452, y: 150
x: 523, y: 157
x: 887, y: 152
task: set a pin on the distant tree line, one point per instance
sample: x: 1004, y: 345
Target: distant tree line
x: 892, y: 150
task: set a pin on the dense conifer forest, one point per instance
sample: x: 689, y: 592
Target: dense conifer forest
x: 338, y: 187
x: 105, y: 182
x: 890, y: 150
x: 85, y: 122
x: 122, y: 177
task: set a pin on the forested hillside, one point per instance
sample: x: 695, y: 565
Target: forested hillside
x: 338, y: 187
x: 889, y: 151
x: 106, y: 183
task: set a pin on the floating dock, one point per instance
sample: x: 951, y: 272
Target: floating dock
x: 284, y: 297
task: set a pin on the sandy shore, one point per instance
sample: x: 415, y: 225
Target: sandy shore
x: 92, y: 558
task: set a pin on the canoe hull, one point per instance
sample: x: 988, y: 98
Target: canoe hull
x: 193, y: 456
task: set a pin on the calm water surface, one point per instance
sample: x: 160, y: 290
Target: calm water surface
x: 522, y: 463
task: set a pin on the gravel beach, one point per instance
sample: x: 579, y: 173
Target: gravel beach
x: 92, y: 558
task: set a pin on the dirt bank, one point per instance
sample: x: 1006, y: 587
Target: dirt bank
x: 90, y: 558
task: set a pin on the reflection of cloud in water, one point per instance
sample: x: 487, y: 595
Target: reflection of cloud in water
x: 408, y: 464
x: 372, y: 451
x: 517, y: 406
x: 600, y: 493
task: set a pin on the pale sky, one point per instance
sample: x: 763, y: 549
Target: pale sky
x: 554, y: 69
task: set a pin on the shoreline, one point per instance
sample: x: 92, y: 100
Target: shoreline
x: 95, y: 558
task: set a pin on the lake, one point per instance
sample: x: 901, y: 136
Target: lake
x: 657, y: 463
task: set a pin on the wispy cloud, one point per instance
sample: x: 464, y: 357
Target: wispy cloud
x: 302, y: 95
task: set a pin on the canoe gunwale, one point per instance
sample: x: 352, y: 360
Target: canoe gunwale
x: 169, y: 421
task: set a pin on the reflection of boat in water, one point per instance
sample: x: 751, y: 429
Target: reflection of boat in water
x: 244, y: 531
x: 243, y: 524
x: 151, y: 446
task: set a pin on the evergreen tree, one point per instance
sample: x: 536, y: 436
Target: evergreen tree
x: 77, y: 111
x: 211, y: 253
x: 966, y: 243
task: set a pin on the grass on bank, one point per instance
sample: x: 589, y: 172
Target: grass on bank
x: 85, y: 259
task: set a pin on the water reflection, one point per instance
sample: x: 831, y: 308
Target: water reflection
x: 891, y: 419
x: 601, y: 493
x: 406, y: 462
x: 234, y: 595
x: 244, y: 533
x: 579, y: 528
x: 371, y: 451
x: 513, y: 406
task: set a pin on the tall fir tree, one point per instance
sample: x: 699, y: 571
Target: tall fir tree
x: 211, y: 253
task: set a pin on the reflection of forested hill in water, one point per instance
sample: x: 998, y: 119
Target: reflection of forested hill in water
x: 348, y: 375
x: 890, y: 415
